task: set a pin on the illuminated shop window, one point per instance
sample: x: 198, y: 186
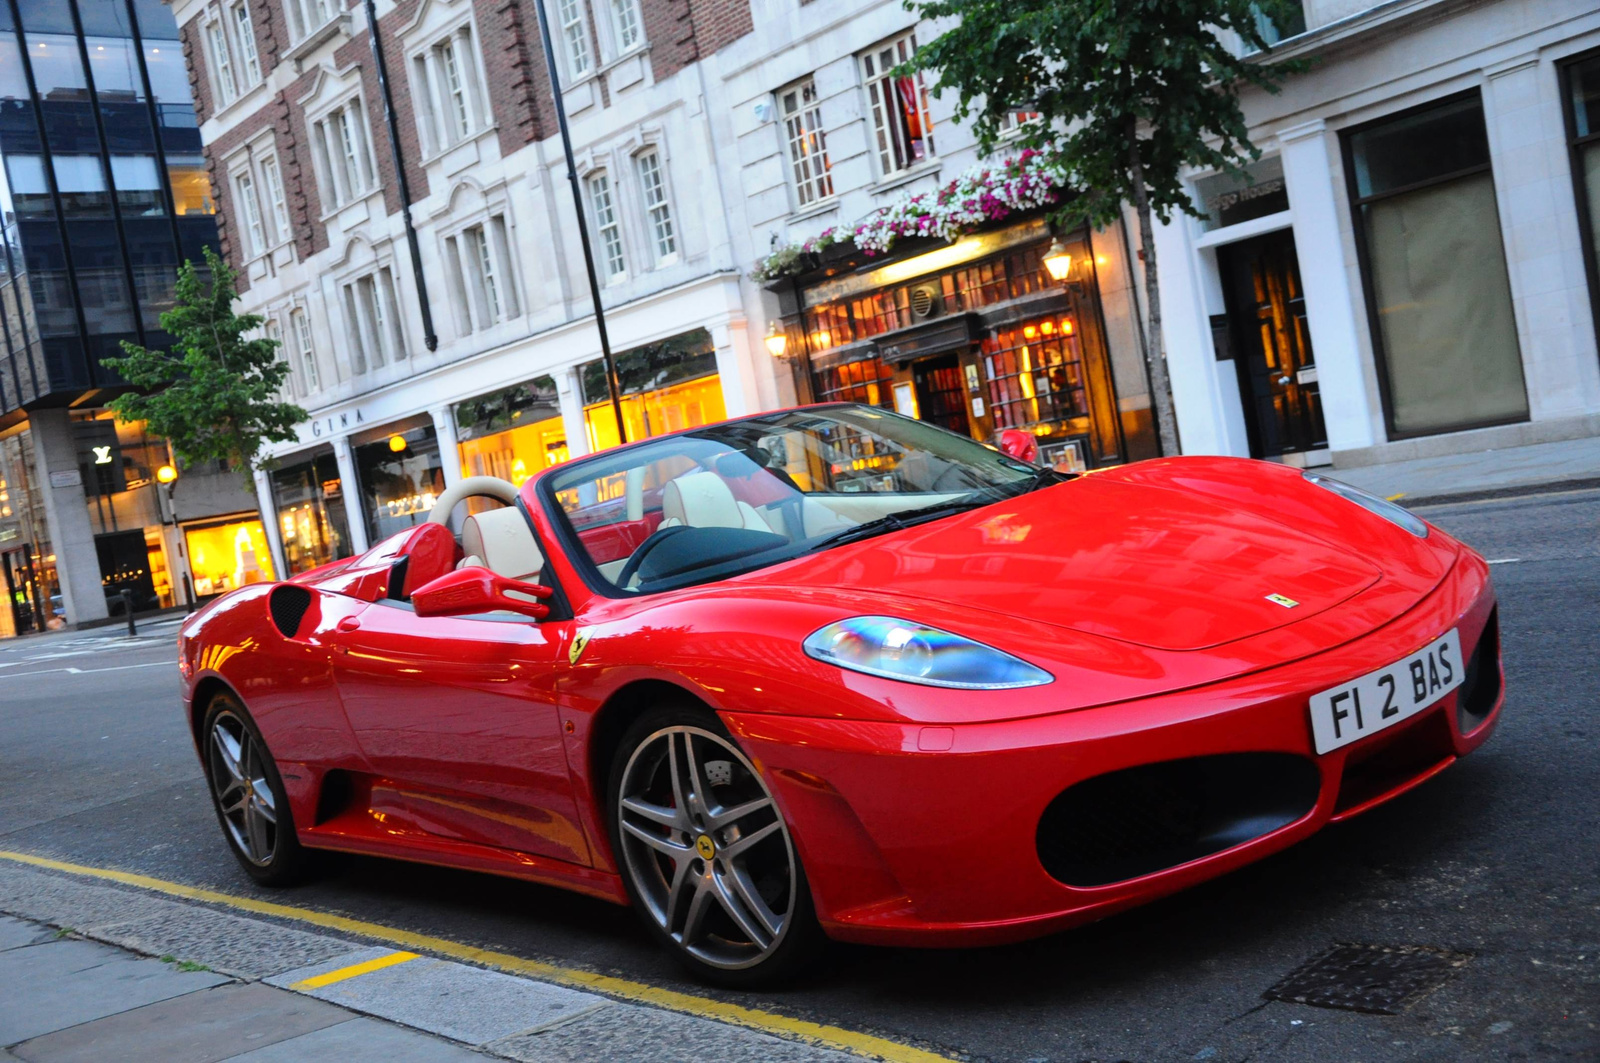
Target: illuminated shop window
x: 229, y: 555
x: 666, y: 387
x: 309, y: 497
x: 401, y: 476
x: 513, y: 434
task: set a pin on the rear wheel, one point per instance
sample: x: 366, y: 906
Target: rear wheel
x: 248, y: 795
x: 705, y: 852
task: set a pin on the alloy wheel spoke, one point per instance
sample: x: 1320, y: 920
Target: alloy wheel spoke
x: 725, y: 817
x: 738, y: 911
x: 748, y: 841
x: 256, y: 827
x: 233, y: 798
x: 695, y: 920
x: 666, y: 846
x: 228, y: 749
x: 666, y: 817
x: 699, y: 792
x: 680, y: 793
x: 265, y: 806
x: 739, y: 880
x: 682, y: 885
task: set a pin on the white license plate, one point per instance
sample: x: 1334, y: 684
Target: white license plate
x: 1342, y: 714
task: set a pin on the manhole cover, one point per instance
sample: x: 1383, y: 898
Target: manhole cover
x: 1380, y: 979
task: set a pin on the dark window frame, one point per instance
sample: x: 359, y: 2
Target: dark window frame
x: 1380, y: 355
x: 1580, y: 193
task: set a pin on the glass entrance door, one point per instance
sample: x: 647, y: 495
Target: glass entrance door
x: 941, y: 394
x: 1272, y: 346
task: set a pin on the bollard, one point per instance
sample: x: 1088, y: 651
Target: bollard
x: 127, y: 605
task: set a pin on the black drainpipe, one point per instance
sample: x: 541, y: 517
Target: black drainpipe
x: 428, y: 335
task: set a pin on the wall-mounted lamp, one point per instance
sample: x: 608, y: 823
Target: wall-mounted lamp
x: 397, y: 443
x: 777, y: 342
x: 1058, y: 262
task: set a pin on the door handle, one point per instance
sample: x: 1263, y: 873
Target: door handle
x: 348, y: 623
x: 1282, y: 380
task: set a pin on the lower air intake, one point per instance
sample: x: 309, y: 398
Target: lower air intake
x: 1140, y: 820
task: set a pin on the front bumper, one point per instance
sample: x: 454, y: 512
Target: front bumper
x: 918, y: 835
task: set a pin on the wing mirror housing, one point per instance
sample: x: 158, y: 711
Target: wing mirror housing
x: 472, y: 590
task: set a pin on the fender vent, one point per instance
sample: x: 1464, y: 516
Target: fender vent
x: 288, y: 604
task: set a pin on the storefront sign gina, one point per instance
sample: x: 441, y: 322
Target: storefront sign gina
x: 331, y: 425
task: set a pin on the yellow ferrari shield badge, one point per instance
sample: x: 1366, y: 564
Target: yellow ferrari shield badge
x: 1283, y: 600
x: 579, y: 642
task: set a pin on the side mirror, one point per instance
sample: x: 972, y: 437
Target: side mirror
x: 472, y: 590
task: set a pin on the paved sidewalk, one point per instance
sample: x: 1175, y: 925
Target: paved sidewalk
x: 1570, y: 462
x: 91, y: 973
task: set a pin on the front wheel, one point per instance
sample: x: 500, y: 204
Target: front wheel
x: 249, y: 797
x: 705, y: 852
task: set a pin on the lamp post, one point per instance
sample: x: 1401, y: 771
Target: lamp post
x: 166, y: 476
x: 612, y: 383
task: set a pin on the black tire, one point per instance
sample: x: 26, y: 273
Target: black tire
x: 270, y: 853
x: 751, y: 879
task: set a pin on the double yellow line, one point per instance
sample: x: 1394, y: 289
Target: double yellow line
x: 834, y: 1037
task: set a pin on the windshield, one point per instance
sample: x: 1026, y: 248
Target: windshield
x: 731, y: 498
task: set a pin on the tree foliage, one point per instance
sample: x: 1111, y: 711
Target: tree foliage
x: 215, y: 394
x: 1131, y: 93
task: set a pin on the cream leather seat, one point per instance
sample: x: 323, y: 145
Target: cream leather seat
x: 501, y: 541
x: 703, y: 500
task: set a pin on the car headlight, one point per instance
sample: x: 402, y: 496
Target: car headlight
x: 914, y: 653
x: 1373, y: 504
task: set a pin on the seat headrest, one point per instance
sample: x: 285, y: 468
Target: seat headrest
x: 502, y: 538
x: 701, y: 500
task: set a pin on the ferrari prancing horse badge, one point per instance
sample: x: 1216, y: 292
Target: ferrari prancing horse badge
x: 579, y: 641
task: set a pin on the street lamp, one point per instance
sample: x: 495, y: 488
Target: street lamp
x: 166, y: 475
x: 777, y: 342
x: 1058, y: 262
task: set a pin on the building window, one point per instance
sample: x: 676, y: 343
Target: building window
x: 513, y: 433
x: 245, y: 187
x: 272, y: 184
x: 664, y: 387
x: 808, y: 148
x: 1015, y: 120
x: 1035, y: 375
x: 605, y: 224
x: 1435, y: 270
x: 222, y: 77
x: 574, y: 36
x: 274, y: 332
x: 1583, y: 127
x: 344, y: 154
x: 902, y: 130
x: 479, y: 262
x: 300, y: 324
x: 626, y: 20
x: 244, y: 37
x: 1291, y: 24
x: 452, y: 103
x: 308, y: 16
x: 654, y: 186
x: 372, y: 321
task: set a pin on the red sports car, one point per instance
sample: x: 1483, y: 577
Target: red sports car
x: 835, y: 672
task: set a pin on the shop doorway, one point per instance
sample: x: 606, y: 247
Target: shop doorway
x: 26, y: 609
x: 125, y: 565
x: 941, y: 393
x: 1271, y: 346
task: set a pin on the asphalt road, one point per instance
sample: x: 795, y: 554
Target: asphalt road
x: 1497, y: 857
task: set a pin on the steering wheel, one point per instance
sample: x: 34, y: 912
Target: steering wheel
x: 472, y: 487
x: 653, y: 540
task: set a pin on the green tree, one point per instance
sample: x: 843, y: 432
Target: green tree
x: 215, y: 394
x: 1130, y: 92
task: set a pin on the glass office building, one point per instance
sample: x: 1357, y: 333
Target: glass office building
x: 103, y: 192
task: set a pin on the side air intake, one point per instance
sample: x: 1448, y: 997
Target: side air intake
x: 288, y: 604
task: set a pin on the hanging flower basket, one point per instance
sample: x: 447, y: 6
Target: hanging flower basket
x: 977, y: 198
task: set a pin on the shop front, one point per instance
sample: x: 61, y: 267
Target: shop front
x: 665, y: 387
x: 514, y: 433
x: 400, y: 473
x: 309, y: 498
x: 976, y: 337
x: 227, y: 553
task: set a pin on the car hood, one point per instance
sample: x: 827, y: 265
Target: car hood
x: 1152, y: 566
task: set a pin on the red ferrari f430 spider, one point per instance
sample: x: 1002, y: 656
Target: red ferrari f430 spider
x: 783, y: 678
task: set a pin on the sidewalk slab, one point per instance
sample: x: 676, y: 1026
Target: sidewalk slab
x: 63, y: 983
x: 361, y: 1041
x: 468, y: 1004
x: 15, y: 934
x: 1540, y: 465
x: 628, y: 1033
x: 199, y: 1027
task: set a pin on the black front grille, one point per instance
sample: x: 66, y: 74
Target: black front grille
x: 288, y: 604
x: 1480, y: 688
x: 1139, y: 820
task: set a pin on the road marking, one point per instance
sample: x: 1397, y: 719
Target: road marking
x: 92, y: 671
x: 1503, y: 561
x: 791, y: 1029
x: 1394, y: 497
x: 355, y: 970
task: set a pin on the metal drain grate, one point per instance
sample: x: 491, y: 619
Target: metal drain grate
x: 1379, y: 979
